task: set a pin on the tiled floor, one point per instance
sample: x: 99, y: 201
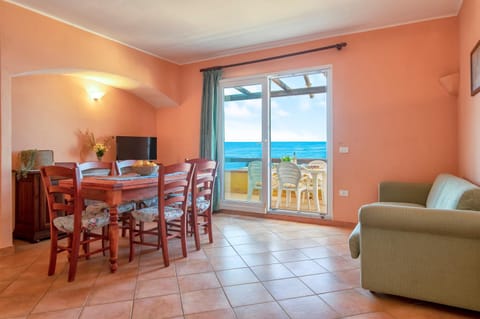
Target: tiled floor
x: 257, y: 268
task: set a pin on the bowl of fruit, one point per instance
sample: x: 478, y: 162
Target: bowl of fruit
x: 145, y: 168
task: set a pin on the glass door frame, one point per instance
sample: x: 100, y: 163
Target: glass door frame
x: 264, y: 206
x: 258, y: 206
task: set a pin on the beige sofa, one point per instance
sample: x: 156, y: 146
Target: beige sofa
x: 422, y: 241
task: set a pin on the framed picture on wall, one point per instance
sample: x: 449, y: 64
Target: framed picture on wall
x: 475, y: 69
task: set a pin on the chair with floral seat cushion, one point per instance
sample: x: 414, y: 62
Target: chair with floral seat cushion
x: 150, y: 201
x: 99, y: 168
x: 169, y: 216
x: 66, y: 214
x: 124, y: 167
x: 202, y: 193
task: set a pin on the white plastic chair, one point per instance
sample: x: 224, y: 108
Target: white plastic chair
x: 254, y: 178
x: 289, y: 179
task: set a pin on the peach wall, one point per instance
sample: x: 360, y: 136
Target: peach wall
x: 468, y: 106
x: 49, y: 111
x: 34, y: 42
x: 388, y: 106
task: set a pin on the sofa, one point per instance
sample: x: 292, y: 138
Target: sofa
x: 422, y: 241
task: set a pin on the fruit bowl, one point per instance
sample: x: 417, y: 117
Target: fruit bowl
x: 145, y: 170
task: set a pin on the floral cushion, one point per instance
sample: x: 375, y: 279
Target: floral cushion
x: 149, y: 202
x: 93, y: 217
x: 202, y: 205
x: 97, y: 204
x: 150, y: 214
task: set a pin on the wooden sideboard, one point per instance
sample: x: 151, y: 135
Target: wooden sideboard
x: 31, y: 212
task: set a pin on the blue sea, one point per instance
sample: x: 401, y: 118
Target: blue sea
x: 238, y: 154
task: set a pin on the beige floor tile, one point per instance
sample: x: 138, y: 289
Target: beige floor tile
x: 149, y: 272
x: 156, y: 287
x: 16, y: 306
x: 351, y: 277
x: 270, y: 310
x: 238, y: 276
x: 318, y: 252
x: 157, y: 307
x: 323, y: 283
x: 34, y: 287
x: 215, y: 314
x: 247, y: 294
x: 310, y: 307
x: 107, y: 291
x: 71, y: 297
x: 371, y: 315
x: 272, y: 272
x: 259, y: 259
x: 337, y: 263
x: 220, y: 251
x: 289, y: 255
x: 305, y: 267
x: 351, y: 302
x: 227, y: 262
x: 252, y: 248
x: 198, y: 282
x: 193, y: 267
x: 61, y: 314
x: 118, y: 310
x: 287, y: 288
x: 204, y: 300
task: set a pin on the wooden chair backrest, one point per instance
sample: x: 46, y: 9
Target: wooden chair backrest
x: 124, y: 166
x: 62, y: 200
x: 203, y: 181
x: 96, y: 168
x: 173, y: 185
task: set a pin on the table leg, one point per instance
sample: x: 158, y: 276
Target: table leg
x: 113, y: 236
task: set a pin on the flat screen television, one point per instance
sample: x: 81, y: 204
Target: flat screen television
x: 136, y: 147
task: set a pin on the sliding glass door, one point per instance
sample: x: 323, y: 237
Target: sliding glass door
x: 266, y: 122
x: 242, y: 147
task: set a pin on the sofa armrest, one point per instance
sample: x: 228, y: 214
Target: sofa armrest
x: 445, y: 222
x: 416, y: 193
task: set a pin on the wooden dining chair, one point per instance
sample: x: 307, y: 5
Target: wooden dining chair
x: 99, y: 168
x: 65, y: 207
x: 169, y: 216
x: 201, y: 202
x: 124, y: 167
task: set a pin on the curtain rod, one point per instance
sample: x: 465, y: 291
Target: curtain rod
x: 337, y: 46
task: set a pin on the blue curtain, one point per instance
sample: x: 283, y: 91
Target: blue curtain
x: 208, y: 125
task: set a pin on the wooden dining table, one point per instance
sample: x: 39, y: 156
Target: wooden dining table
x: 115, y: 190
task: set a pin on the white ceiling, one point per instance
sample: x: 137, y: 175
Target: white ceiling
x: 185, y: 31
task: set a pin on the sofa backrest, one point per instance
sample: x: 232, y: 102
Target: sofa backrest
x: 447, y: 190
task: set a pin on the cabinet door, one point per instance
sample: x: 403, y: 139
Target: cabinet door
x: 31, y: 212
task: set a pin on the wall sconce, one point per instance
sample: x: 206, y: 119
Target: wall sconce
x: 96, y: 95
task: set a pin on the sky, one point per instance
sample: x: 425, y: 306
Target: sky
x: 293, y: 118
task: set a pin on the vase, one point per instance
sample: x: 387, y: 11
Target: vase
x: 99, y: 158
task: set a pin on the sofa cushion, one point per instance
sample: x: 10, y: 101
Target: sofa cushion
x: 446, y: 191
x: 354, y: 242
x: 470, y: 200
x: 398, y: 204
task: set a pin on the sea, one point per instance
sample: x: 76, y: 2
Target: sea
x: 238, y: 154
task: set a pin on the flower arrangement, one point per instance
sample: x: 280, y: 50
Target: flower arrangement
x: 99, y: 146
